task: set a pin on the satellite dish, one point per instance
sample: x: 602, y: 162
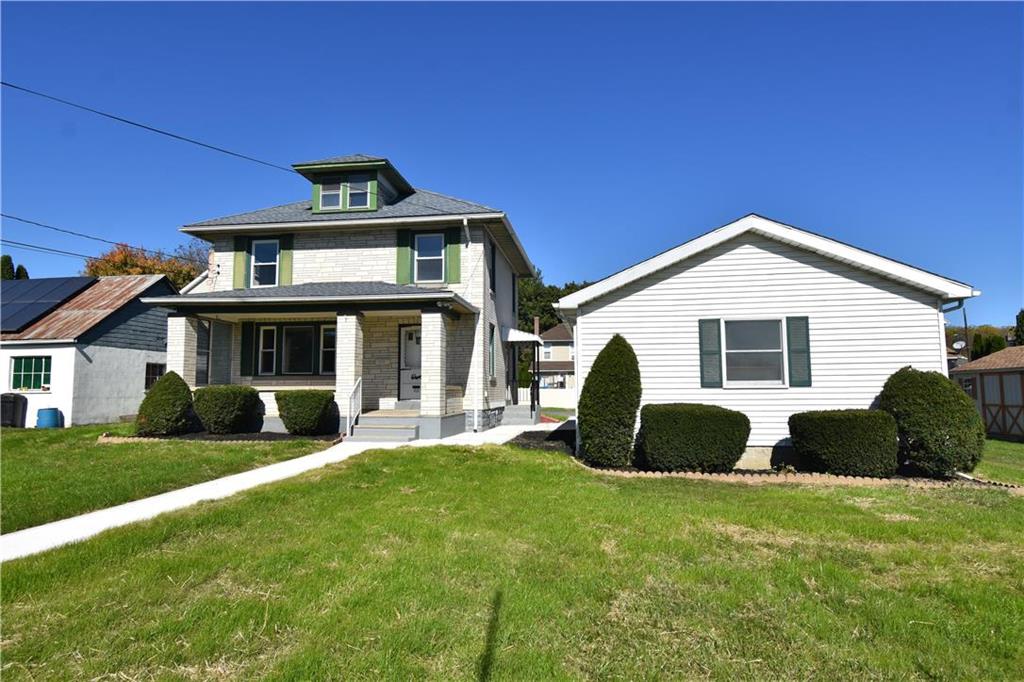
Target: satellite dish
x: 959, y: 345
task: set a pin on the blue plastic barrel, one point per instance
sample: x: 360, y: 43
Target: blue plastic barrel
x: 48, y: 418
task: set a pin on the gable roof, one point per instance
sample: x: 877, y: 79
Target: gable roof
x: 809, y: 241
x: 80, y: 313
x: 1005, y: 359
x: 559, y: 332
x: 26, y: 300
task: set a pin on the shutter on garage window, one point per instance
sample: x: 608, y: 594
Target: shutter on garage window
x: 798, y: 343
x: 452, y: 255
x: 248, y: 345
x: 709, y: 334
x: 403, y: 266
x: 240, y: 271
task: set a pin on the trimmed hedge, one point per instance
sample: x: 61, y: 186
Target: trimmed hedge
x: 691, y: 437
x: 940, y: 431
x: 308, y: 412
x: 846, y: 442
x: 167, y: 408
x: 229, y: 409
x: 606, y: 414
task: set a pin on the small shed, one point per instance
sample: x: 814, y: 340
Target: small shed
x: 996, y: 384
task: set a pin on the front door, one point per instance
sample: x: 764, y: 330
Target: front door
x: 409, y: 362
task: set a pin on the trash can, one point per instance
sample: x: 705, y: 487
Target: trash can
x: 12, y: 409
x: 48, y: 418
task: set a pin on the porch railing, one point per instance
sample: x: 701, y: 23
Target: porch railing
x: 355, y: 406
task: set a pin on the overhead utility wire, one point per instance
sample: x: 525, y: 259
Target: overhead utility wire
x: 45, y: 249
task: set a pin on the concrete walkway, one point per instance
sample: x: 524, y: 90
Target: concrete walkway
x: 41, y: 538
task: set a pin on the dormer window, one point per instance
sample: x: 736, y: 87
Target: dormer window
x: 359, y: 192
x: 330, y: 195
x: 265, y: 256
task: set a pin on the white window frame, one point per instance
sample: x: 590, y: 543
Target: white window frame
x: 348, y: 193
x: 547, y: 350
x: 253, y: 263
x: 284, y: 358
x: 43, y: 388
x: 323, y: 330
x: 417, y: 258
x: 784, y: 349
x: 340, y: 193
x: 261, y: 350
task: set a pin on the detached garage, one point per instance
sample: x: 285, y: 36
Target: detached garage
x: 996, y: 384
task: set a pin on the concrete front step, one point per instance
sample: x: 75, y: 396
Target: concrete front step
x: 369, y: 433
x: 518, y: 415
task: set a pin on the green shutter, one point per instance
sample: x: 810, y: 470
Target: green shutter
x: 372, y: 186
x: 403, y: 268
x: 709, y: 337
x: 316, y: 197
x: 799, y: 346
x: 240, y: 271
x: 248, y: 346
x: 453, y: 255
x: 284, y: 275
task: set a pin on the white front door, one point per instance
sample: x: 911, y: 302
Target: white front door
x: 409, y: 362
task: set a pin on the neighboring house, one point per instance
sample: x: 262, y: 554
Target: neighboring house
x: 954, y: 358
x: 87, y: 346
x: 767, y: 319
x: 400, y: 300
x: 557, y: 365
x: 996, y: 384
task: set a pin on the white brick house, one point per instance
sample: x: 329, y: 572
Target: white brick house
x: 402, y: 301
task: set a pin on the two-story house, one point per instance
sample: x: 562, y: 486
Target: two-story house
x: 557, y: 365
x: 401, y: 300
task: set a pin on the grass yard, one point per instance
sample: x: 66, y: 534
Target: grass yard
x: 449, y: 562
x: 50, y: 474
x: 559, y: 413
x: 1003, y: 461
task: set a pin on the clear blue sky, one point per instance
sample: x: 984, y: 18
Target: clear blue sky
x: 607, y: 132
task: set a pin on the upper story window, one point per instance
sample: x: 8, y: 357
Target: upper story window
x: 429, y: 257
x: 547, y: 350
x: 359, y: 191
x: 330, y: 195
x: 266, y: 254
x: 494, y: 265
x: 754, y: 352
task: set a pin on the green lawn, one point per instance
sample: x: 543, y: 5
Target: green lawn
x: 1003, y: 461
x: 450, y: 562
x: 50, y: 474
x: 559, y: 413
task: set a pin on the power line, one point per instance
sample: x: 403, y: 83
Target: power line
x: 45, y: 249
x: 150, y: 128
x: 94, y: 238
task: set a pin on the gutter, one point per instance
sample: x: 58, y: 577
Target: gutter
x: 259, y: 227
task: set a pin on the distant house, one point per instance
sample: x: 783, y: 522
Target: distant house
x: 767, y: 319
x: 557, y: 366
x: 996, y: 384
x: 84, y: 345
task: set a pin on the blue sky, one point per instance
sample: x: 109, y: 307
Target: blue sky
x: 607, y: 132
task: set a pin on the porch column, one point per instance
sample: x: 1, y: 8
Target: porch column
x: 181, y: 347
x: 434, y: 368
x: 348, y: 363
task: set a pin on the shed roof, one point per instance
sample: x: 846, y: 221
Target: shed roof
x: 1005, y: 359
x: 82, y: 312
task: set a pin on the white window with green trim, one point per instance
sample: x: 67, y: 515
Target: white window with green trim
x: 358, y: 187
x: 30, y: 373
x: 330, y: 196
x: 771, y: 352
x: 428, y: 257
x: 266, y: 257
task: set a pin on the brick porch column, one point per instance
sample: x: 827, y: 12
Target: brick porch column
x: 181, y: 347
x: 434, y: 330
x: 348, y: 360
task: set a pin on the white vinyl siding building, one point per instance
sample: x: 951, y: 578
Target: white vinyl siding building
x: 861, y: 327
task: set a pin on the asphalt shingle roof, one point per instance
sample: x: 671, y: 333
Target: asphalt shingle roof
x: 421, y: 203
x: 349, y: 158
x: 1008, y: 358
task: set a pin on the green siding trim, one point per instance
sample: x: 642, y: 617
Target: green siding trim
x: 709, y: 333
x: 453, y: 255
x: 248, y: 346
x: 240, y: 270
x: 798, y: 345
x: 403, y: 265
x: 345, y: 208
x: 316, y: 197
x: 284, y: 264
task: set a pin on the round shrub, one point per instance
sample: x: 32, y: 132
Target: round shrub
x: 940, y: 431
x: 691, y: 437
x: 606, y: 414
x: 229, y: 409
x: 167, y: 408
x: 846, y: 442
x: 308, y: 412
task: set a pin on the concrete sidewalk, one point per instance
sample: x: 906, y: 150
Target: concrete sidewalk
x: 41, y: 538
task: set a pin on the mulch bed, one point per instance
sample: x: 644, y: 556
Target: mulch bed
x: 564, y: 440
x: 218, y: 438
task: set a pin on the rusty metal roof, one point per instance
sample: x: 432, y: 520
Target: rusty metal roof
x: 84, y: 311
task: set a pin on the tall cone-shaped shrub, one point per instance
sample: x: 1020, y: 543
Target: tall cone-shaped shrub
x: 606, y: 414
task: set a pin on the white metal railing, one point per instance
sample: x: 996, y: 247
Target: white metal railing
x: 355, y: 406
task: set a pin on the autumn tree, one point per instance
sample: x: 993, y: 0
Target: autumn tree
x: 181, y: 266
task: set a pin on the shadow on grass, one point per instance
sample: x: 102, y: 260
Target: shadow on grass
x: 487, y: 657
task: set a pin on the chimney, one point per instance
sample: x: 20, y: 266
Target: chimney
x: 536, y: 325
